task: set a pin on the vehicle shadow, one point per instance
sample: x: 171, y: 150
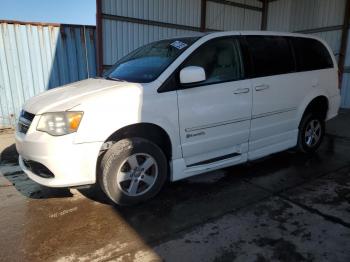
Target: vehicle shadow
x: 9, y: 155
x: 25, y: 186
x: 201, y: 198
x: 210, y: 182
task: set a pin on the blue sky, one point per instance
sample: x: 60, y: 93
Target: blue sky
x: 53, y: 11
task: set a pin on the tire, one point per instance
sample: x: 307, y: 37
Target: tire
x: 127, y: 182
x: 311, y: 133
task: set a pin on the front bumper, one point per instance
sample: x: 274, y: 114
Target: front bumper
x: 71, y: 164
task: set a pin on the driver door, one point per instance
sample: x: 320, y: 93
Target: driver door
x: 215, y: 115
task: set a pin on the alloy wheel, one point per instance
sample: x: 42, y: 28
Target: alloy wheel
x: 137, y: 174
x: 313, y: 133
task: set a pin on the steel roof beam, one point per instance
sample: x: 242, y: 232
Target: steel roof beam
x: 344, y: 39
x: 244, y: 6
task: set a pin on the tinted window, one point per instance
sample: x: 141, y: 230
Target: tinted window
x: 310, y: 54
x: 146, y: 63
x: 220, y: 59
x: 271, y: 55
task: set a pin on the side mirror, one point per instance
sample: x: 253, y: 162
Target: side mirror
x: 192, y: 74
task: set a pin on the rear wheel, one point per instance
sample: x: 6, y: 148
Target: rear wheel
x: 311, y: 133
x: 132, y: 171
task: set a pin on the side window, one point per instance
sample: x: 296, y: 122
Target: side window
x: 271, y: 55
x: 310, y: 54
x: 220, y: 59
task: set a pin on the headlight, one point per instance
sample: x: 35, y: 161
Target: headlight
x: 60, y: 123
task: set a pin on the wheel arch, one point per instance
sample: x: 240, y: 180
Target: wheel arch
x: 148, y: 131
x: 318, y: 105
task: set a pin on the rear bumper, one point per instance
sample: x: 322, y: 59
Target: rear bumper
x: 333, y: 106
x: 71, y: 164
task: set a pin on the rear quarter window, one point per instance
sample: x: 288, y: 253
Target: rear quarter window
x: 310, y: 54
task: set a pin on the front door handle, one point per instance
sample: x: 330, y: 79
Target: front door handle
x: 241, y: 91
x: 261, y: 87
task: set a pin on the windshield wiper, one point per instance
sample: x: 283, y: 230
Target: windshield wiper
x: 115, y: 79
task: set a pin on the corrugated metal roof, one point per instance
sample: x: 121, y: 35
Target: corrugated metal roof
x: 226, y: 18
x: 296, y: 15
x: 181, y: 12
x: 279, y: 15
x: 35, y: 57
x: 333, y: 38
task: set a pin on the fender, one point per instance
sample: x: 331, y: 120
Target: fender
x: 109, y: 112
x: 307, y: 100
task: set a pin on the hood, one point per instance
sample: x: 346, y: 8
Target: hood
x: 69, y: 96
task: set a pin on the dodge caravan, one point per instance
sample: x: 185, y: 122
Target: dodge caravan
x: 180, y: 107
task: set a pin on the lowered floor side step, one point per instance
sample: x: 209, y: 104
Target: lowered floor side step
x: 213, y: 160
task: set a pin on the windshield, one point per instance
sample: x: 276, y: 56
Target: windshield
x: 146, y: 63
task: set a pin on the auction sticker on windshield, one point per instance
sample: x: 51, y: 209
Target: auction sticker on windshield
x: 178, y: 44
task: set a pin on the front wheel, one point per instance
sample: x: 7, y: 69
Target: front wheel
x: 311, y: 133
x: 132, y: 171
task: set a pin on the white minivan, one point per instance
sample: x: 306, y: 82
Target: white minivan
x: 180, y: 107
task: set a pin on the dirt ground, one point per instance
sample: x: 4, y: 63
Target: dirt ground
x: 285, y: 207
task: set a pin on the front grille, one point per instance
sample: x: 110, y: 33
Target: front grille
x: 38, y: 169
x: 24, y: 121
